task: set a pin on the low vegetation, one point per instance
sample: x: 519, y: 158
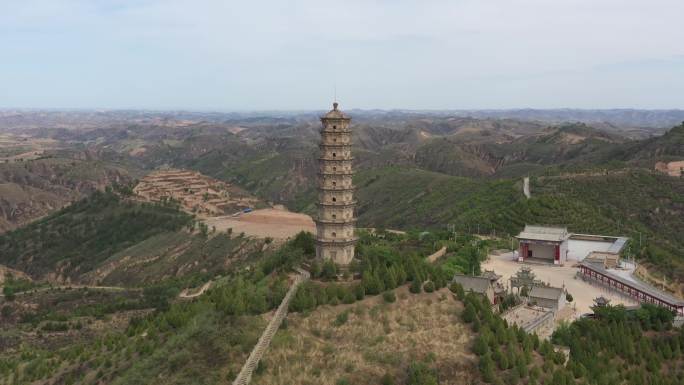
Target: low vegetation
x: 76, y: 239
x: 173, y: 341
x: 617, y: 347
x: 418, y: 339
x: 647, y: 207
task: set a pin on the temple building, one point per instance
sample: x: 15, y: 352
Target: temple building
x: 544, y: 244
x: 478, y: 285
x: 548, y: 297
x: 335, y: 238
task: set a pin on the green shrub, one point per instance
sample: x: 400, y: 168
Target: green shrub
x: 389, y: 296
x: 8, y: 291
x: 429, y: 287
x: 6, y: 311
x: 457, y: 289
x: 341, y: 318
x: 420, y: 374
x: 416, y: 286
x: 387, y: 379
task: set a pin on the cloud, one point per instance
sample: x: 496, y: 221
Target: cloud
x: 212, y: 54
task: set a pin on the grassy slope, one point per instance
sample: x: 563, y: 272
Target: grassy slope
x: 77, y: 238
x: 279, y: 171
x: 668, y: 147
x: 621, y: 204
x: 205, y: 340
x: 174, y: 254
x: 377, y: 338
x: 406, y: 198
x: 32, y: 189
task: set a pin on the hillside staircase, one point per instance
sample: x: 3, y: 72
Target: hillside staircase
x: 250, y: 365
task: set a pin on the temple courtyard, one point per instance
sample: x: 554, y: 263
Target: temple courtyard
x: 583, y: 292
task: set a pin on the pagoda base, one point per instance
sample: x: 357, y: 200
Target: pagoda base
x: 340, y: 253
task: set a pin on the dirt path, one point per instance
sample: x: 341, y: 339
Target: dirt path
x: 587, y: 174
x: 526, y: 187
x: 184, y: 294
x: 373, y: 229
x: 74, y: 287
x: 436, y: 255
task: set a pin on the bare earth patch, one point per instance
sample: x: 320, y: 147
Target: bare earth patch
x: 16, y: 274
x: 376, y: 338
x: 274, y: 223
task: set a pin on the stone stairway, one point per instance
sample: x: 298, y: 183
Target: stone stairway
x: 245, y: 375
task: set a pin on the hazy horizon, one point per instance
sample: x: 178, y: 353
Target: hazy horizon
x: 217, y: 56
x: 315, y: 110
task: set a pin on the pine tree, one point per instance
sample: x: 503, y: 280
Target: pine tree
x: 487, y: 368
x: 370, y: 282
x: 416, y: 286
x: 481, y: 347
x: 329, y: 270
x: 388, y: 278
x: 359, y: 292
x: 457, y: 289
x: 469, y: 313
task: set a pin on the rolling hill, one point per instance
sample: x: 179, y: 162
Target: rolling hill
x: 35, y: 188
x: 628, y: 202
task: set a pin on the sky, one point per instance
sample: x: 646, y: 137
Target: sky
x: 226, y: 55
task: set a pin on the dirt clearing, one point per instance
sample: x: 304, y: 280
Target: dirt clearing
x: 274, y: 223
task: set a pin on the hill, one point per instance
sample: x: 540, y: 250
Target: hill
x: 76, y: 239
x: 34, y: 188
x: 669, y: 146
x: 371, y: 340
x: 637, y: 203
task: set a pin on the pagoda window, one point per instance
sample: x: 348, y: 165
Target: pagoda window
x: 334, y: 199
x: 334, y: 183
x: 334, y: 155
x: 334, y: 234
x: 334, y: 216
